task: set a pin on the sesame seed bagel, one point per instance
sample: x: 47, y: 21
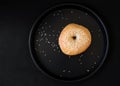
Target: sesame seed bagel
x: 74, y: 39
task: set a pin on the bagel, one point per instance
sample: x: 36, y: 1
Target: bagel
x: 74, y: 39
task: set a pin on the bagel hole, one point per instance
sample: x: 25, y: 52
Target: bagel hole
x: 74, y: 37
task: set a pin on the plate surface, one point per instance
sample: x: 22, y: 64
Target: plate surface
x: 45, y: 50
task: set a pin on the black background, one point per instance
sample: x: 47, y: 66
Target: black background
x: 16, y: 66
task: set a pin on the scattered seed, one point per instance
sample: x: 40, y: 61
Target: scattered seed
x: 95, y: 63
x: 98, y: 56
x: 88, y: 70
x: 53, y: 49
x: 49, y: 60
x: 86, y: 14
x: 58, y: 14
x: 71, y: 11
x: 48, y: 42
x: 69, y: 71
x: 42, y: 27
x: 45, y: 22
x: 43, y: 51
x: 45, y: 34
x: 81, y: 55
x: 37, y: 40
x: 60, y: 75
x: 49, y: 34
x: 45, y: 54
x: 59, y: 11
x: 49, y: 26
x: 81, y: 63
x: 53, y: 31
x: 54, y: 14
x: 38, y: 44
x: 64, y: 71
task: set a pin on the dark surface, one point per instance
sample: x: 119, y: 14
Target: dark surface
x: 45, y: 49
x: 16, y: 66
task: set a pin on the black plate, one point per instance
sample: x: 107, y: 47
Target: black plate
x: 46, y: 53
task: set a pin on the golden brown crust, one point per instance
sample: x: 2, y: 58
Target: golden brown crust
x: 74, y: 39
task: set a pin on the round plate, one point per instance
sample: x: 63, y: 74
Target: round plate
x: 46, y: 52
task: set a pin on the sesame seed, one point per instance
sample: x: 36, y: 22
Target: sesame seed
x: 64, y: 71
x: 98, y: 56
x: 37, y: 40
x: 48, y: 42
x: 41, y: 34
x: 54, y: 14
x: 81, y: 55
x: 53, y: 31
x: 58, y: 14
x: 88, y: 70
x: 49, y: 26
x: 60, y: 75
x: 50, y: 60
x: 45, y: 22
x: 53, y: 49
x: 45, y: 54
x: 86, y: 14
x: 43, y: 51
x: 95, y: 63
x: 42, y: 27
x: 35, y: 48
x: 71, y: 11
x: 59, y: 11
x: 79, y: 17
x: 81, y: 63
x: 45, y: 34
x: 69, y: 71
x: 49, y: 34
